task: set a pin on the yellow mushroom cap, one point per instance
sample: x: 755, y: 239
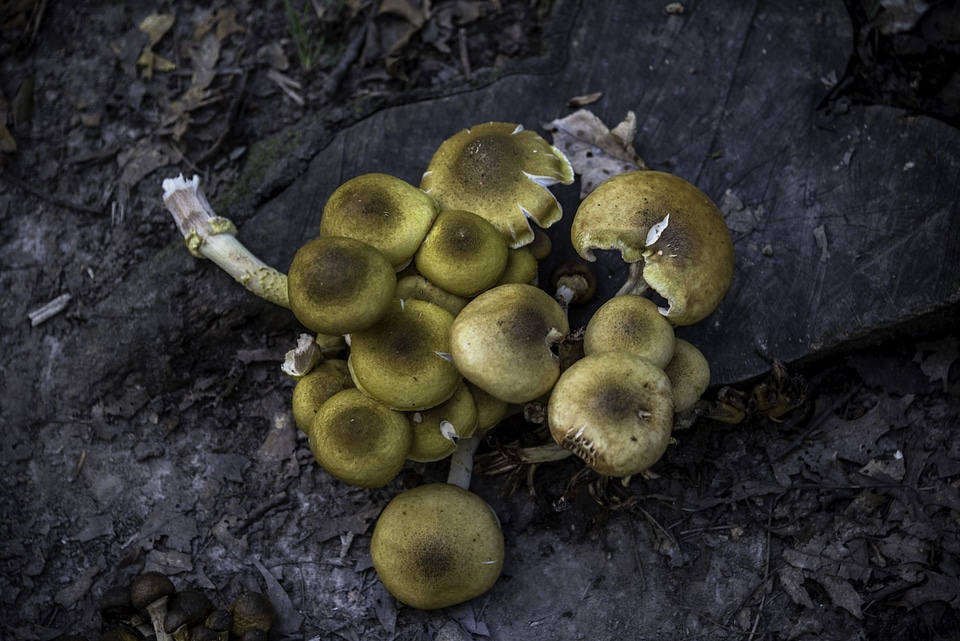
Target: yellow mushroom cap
x: 670, y: 225
x: 315, y: 388
x: 632, y: 324
x: 437, y: 545
x: 403, y: 360
x: 339, y: 285
x: 463, y: 253
x: 689, y: 374
x: 418, y: 287
x: 499, y: 171
x: 359, y: 440
x: 502, y: 342
x: 614, y: 410
x: 383, y: 211
x: 437, y: 430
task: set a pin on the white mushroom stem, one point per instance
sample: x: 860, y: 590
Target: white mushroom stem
x: 214, y: 237
x: 634, y: 283
x: 461, y: 461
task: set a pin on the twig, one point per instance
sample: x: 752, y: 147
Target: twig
x: 350, y: 55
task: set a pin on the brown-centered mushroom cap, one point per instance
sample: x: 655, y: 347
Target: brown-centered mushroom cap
x: 499, y: 171
x: 630, y: 323
x: 437, y: 545
x: 311, y: 391
x: 463, y: 253
x: 383, y: 211
x: 689, y: 374
x: 671, y: 226
x: 359, y: 440
x: 339, y: 285
x: 437, y: 430
x: 403, y: 360
x: 503, y: 340
x: 614, y: 410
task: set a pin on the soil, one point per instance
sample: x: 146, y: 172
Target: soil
x: 837, y: 520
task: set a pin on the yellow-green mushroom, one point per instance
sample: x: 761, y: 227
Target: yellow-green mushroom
x: 383, y: 211
x: 501, y: 172
x: 672, y: 235
x: 437, y: 545
x: 463, y: 253
x: 359, y: 440
x: 614, y: 410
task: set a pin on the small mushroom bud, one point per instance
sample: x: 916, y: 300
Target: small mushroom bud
x: 437, y: 545
x: 417, y: 287
x: 339, y: 285
x: 499, y: 171
x: 614, y: 410
x: 522, y: 267
x: 186, y: 609
x: 382, y: 211
x: 313, y: 390
x: 359, y: 440
x: 150, y: 591
x: 116, y: 607
x: 251, y: 611
x: 689, y: 374
x: 437, y: 430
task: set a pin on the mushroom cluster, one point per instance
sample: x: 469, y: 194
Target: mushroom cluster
x: 446, y: 331
x: 152, y: 606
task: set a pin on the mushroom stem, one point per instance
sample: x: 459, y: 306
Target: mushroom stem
x: 461, y: 462
x: 214, y: 237
x: 634, y: 283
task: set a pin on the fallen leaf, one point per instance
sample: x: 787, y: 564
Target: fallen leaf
x: 596, y: 152
x: 942, y: 355
x: 156, y: 25
x: 842, y: 594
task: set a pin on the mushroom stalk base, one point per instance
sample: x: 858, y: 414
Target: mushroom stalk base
x: 214, y: 237
x: 461, y: 462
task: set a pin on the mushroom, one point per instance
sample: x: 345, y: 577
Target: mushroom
x: 251, y: 611
x: 522, y: 267
x: 462, y: 253
x: 671, y: 233
x: 186, y: 609
x: 383, y: 211
x: 614, y: 410
x: 116, y: 607
x: 630, y: 323
x: 403, y: 360
x: 339, y: 285
x: 503, y: 342
x: 359, y: 440
x: 437, y: 545
x: 573, y: 282
x: 689, y: 374
x: 150, y: 591
x: 437, y: 430
x: 501, y: 172
x: 418, y: 287
x: 313, y: 390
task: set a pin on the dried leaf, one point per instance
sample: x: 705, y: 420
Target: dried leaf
x: 842, y: 594
x: 156, y: 25
x: 792, y: 579
x: 227, y: 23
x: 405, y: 9
x: 595, y: 151
x: 937, y: 364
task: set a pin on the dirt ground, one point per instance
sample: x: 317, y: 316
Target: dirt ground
x: 839, y: 521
